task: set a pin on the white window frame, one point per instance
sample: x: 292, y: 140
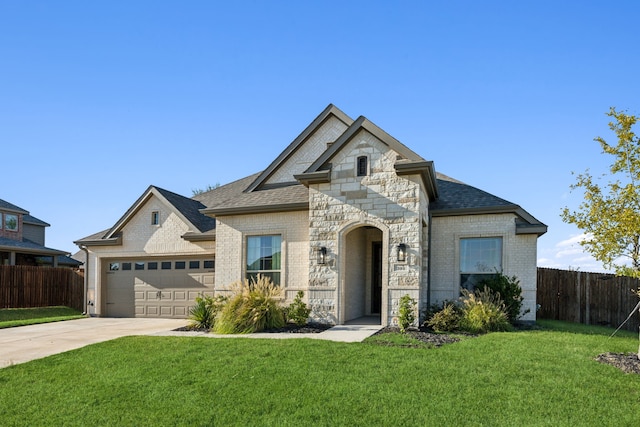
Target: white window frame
x: 251, y: 273
x: 155, y: 218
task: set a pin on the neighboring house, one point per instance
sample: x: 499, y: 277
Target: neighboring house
x: 22, y: 239
x: 346, y: 213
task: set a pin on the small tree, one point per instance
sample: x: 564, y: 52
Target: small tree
x: 610, y: 214
x: 406, y: 312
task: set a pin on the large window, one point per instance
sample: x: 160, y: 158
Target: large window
x: 263, y: 257
x: 479, y: 258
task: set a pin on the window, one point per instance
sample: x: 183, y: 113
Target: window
x: 1, y: 222
x: 114, y: 266
x: 194, y: 265
x: 361, y: 166
x: 139, y: 265
x: 180, y: 265
x: 155, y: 218
x: 166, y: 265
x: 263, y: 257
x: 126, y: 266
x: 11, y: 222
x: 479, y: 259
x: 210, y: 264
x: 152, y: 266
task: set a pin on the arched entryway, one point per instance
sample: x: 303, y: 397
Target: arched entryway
x: 363, y: 274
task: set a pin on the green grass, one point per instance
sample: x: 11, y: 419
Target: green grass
x: 11, y: 317
x: 539, y: 377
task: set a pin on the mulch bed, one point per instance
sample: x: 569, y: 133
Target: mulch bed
x: 290, y: 328
x: 627, y: 363
x: 421, y: 334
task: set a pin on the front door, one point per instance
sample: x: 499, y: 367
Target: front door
x: 376, y: 278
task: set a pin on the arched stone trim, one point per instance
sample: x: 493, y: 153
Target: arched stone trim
x: 342, y: 266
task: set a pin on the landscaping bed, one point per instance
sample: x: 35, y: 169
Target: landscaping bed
x: 626, y: 362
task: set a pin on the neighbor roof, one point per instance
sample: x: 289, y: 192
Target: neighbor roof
x: 27, y: 246
x: 26, y: 217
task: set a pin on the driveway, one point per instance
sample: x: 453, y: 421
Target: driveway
x: 25, y: 343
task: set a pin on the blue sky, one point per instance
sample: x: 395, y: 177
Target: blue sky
x: 99, y: 100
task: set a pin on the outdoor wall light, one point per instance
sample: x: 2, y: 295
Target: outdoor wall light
x: 321, y: 254
x: 402, y: 252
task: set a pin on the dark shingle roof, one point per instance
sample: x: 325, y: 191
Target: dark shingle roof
x: 27, y: 245
x: 455, y: 195
x: 28, y: 219
x: 11, y: 207
x: 190, y: 208
x: 232, y: 198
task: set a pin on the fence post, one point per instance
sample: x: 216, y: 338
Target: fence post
x: 587, y: 300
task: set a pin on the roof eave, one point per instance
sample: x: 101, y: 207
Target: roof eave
x: 199, y: 237
x: 245, y: 210
x: 319, y: 177
x: 111, y: 241
x: 425, y: 169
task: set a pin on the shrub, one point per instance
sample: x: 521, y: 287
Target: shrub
x: 510, y: 292
x: 203, y: 314
x: 298, y: 312
x: 406, y: 312
x: 483, y: 311
x: 253, y: 307
x: 446, y: 319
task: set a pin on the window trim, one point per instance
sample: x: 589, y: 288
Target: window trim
x: 17, y: 219
x: 460, y: 238
x: 365, y: 172
x: 280, y: 271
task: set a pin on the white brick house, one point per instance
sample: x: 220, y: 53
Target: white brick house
x: 346, y: 213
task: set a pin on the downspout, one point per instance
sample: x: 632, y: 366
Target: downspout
x: 429, y: 262
x: 86, y: 281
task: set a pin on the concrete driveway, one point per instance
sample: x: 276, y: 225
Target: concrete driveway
x: 25, y: 343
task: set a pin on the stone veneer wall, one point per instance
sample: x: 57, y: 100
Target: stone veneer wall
x: 382, y: 200
x: 519, y: 254
x: 231, y: 233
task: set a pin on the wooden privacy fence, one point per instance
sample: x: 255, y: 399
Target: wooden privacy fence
x: 589, y: 298
x: 27, y: 286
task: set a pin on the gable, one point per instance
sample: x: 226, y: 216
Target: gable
x: 307, y: 153
x: 296, y: 150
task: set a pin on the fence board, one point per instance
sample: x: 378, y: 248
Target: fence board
x: 589, y: 298
x: 27, y: 286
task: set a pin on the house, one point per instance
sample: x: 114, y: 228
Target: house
x: 22, y: 239
x: 346, y: 213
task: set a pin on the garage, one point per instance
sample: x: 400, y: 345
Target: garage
x: 156, y: 287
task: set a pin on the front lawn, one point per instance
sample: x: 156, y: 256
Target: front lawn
x: 538, y: 377
x: 11, y: 317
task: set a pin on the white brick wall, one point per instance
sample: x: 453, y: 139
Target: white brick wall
x: 309, y: 152
x: 231, y: 233
x: 518, y: 257
x: 142, y: 239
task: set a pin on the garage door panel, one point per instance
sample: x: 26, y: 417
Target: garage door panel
x: 156, y: 292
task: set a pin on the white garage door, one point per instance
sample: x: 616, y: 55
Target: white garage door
x: 156, y: 287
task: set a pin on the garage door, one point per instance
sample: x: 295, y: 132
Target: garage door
x: 156, y: 287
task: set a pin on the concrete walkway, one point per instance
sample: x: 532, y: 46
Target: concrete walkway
x: 25, y: 343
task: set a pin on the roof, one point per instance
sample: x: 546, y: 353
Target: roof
x: 4, y: 205
x: 26, y: 217
x: 458, y: 198
x: 233, y: 199
x: 27, y: 246
x: 252, y: 194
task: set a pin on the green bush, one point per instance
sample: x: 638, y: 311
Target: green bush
x: 446, y: 319
x: 298, y: 312
x: 483, y: 311
x: 406, y: 312
x: 253, y: 307
x: 203, y: 314
x: 510, y: 292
